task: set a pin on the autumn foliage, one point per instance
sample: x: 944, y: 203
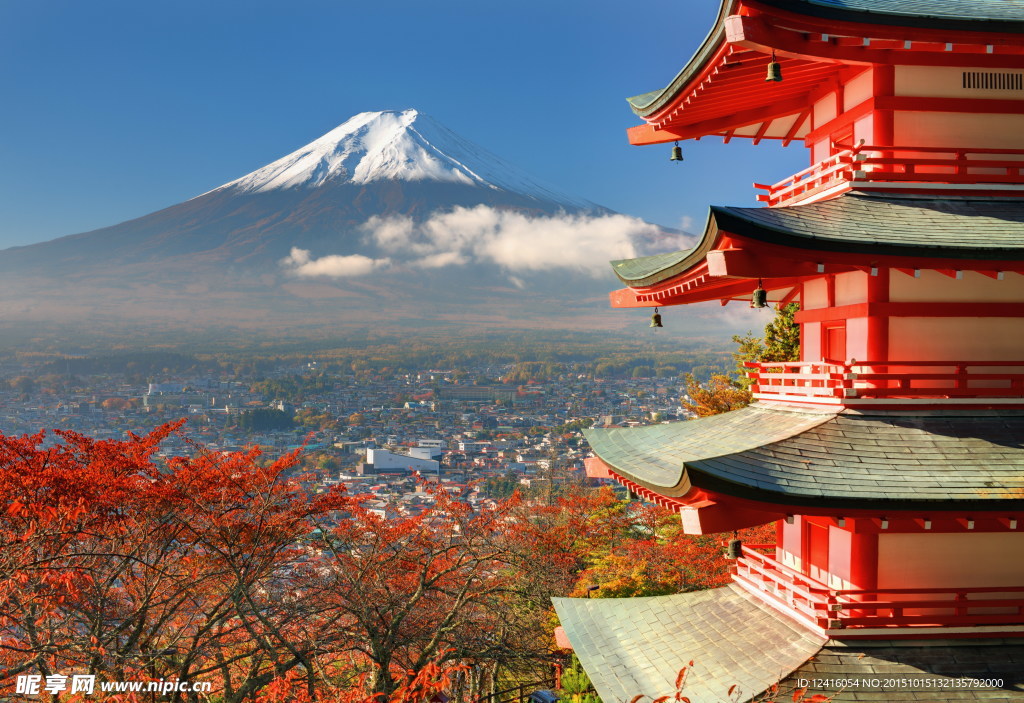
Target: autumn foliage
x: 227, y: 568
x: 216, y: 567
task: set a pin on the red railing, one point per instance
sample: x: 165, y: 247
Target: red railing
x: 833, y: 609
x: 835, y: 382
x: 910, y: 167
x: 829, y: 173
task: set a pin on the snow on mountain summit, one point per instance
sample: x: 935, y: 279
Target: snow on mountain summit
x: 394, y: 146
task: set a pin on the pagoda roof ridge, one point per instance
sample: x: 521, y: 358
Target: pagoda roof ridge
x: 969, y: 228
x: 831, y: 460
x: 993, y: 15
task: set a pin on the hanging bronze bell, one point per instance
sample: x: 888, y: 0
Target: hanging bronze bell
x: 760, y: 297
x: 774, y: 70
x: 656, y: 319
x: 734, y: 550
x: 677, y: 153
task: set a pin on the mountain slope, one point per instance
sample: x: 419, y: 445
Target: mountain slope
x: 376, y: 163
x: 401, y: 220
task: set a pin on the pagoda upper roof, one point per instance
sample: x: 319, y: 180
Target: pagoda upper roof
x: 941, y: 460
x: 857, y: 223
x: 717, y: 91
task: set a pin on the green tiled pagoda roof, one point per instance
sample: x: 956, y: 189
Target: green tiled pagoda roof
x: 633, y: 646
x: 654, y: 456
x: 958, y: 227
x: 967, y: 15
x: 662, y: 265
x: 941, y: 460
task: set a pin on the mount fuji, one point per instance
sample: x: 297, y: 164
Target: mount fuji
x: 388, y: 218
x: 406, y: 146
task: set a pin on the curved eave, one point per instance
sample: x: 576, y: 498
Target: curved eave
x: 974, y: 230
x: 656, y: 456
x: 651, y: 270
x: 650, y: 102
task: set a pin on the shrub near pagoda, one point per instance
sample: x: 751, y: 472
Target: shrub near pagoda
x: 660, y: 558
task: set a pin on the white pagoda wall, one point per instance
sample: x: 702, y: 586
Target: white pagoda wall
x: 956, y: 338
x: 918, y: 560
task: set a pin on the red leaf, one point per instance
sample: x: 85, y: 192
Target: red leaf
x: 680, y: 678
x: 799, y: 693
x: 818, y: 698
x: 636, y: 699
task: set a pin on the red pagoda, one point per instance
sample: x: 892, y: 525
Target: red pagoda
x: 891, y: 456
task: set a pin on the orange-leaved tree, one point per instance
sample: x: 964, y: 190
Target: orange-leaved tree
x: 228, y: 569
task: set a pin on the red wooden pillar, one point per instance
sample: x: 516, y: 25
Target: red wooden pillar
x: 863, y: 569
x: 864, y: 559
x: 883, y: 85
x: 878, y: 325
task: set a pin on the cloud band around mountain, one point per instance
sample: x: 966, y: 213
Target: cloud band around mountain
x: 517, y: 242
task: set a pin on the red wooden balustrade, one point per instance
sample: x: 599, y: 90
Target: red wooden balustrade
x: 910, y: 167
x: 837, y: 382
x: 851, y: 609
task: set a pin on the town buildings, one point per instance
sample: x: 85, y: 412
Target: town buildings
x: 344, y: 420
x: 891, y: 454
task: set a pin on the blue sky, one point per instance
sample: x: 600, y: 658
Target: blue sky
x: 113, y: 109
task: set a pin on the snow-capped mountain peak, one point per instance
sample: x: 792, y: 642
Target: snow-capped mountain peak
x: 394, y: 146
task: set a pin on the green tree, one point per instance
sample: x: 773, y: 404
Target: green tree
x: 576, y: 685
x: 782, y: 335
x: 781, y: 342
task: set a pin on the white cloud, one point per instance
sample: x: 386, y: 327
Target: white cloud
x: 442, y: 259
x: 391, y: 233
x: 517, y: 242
x: 513, y: 240
x: 300, y: 262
